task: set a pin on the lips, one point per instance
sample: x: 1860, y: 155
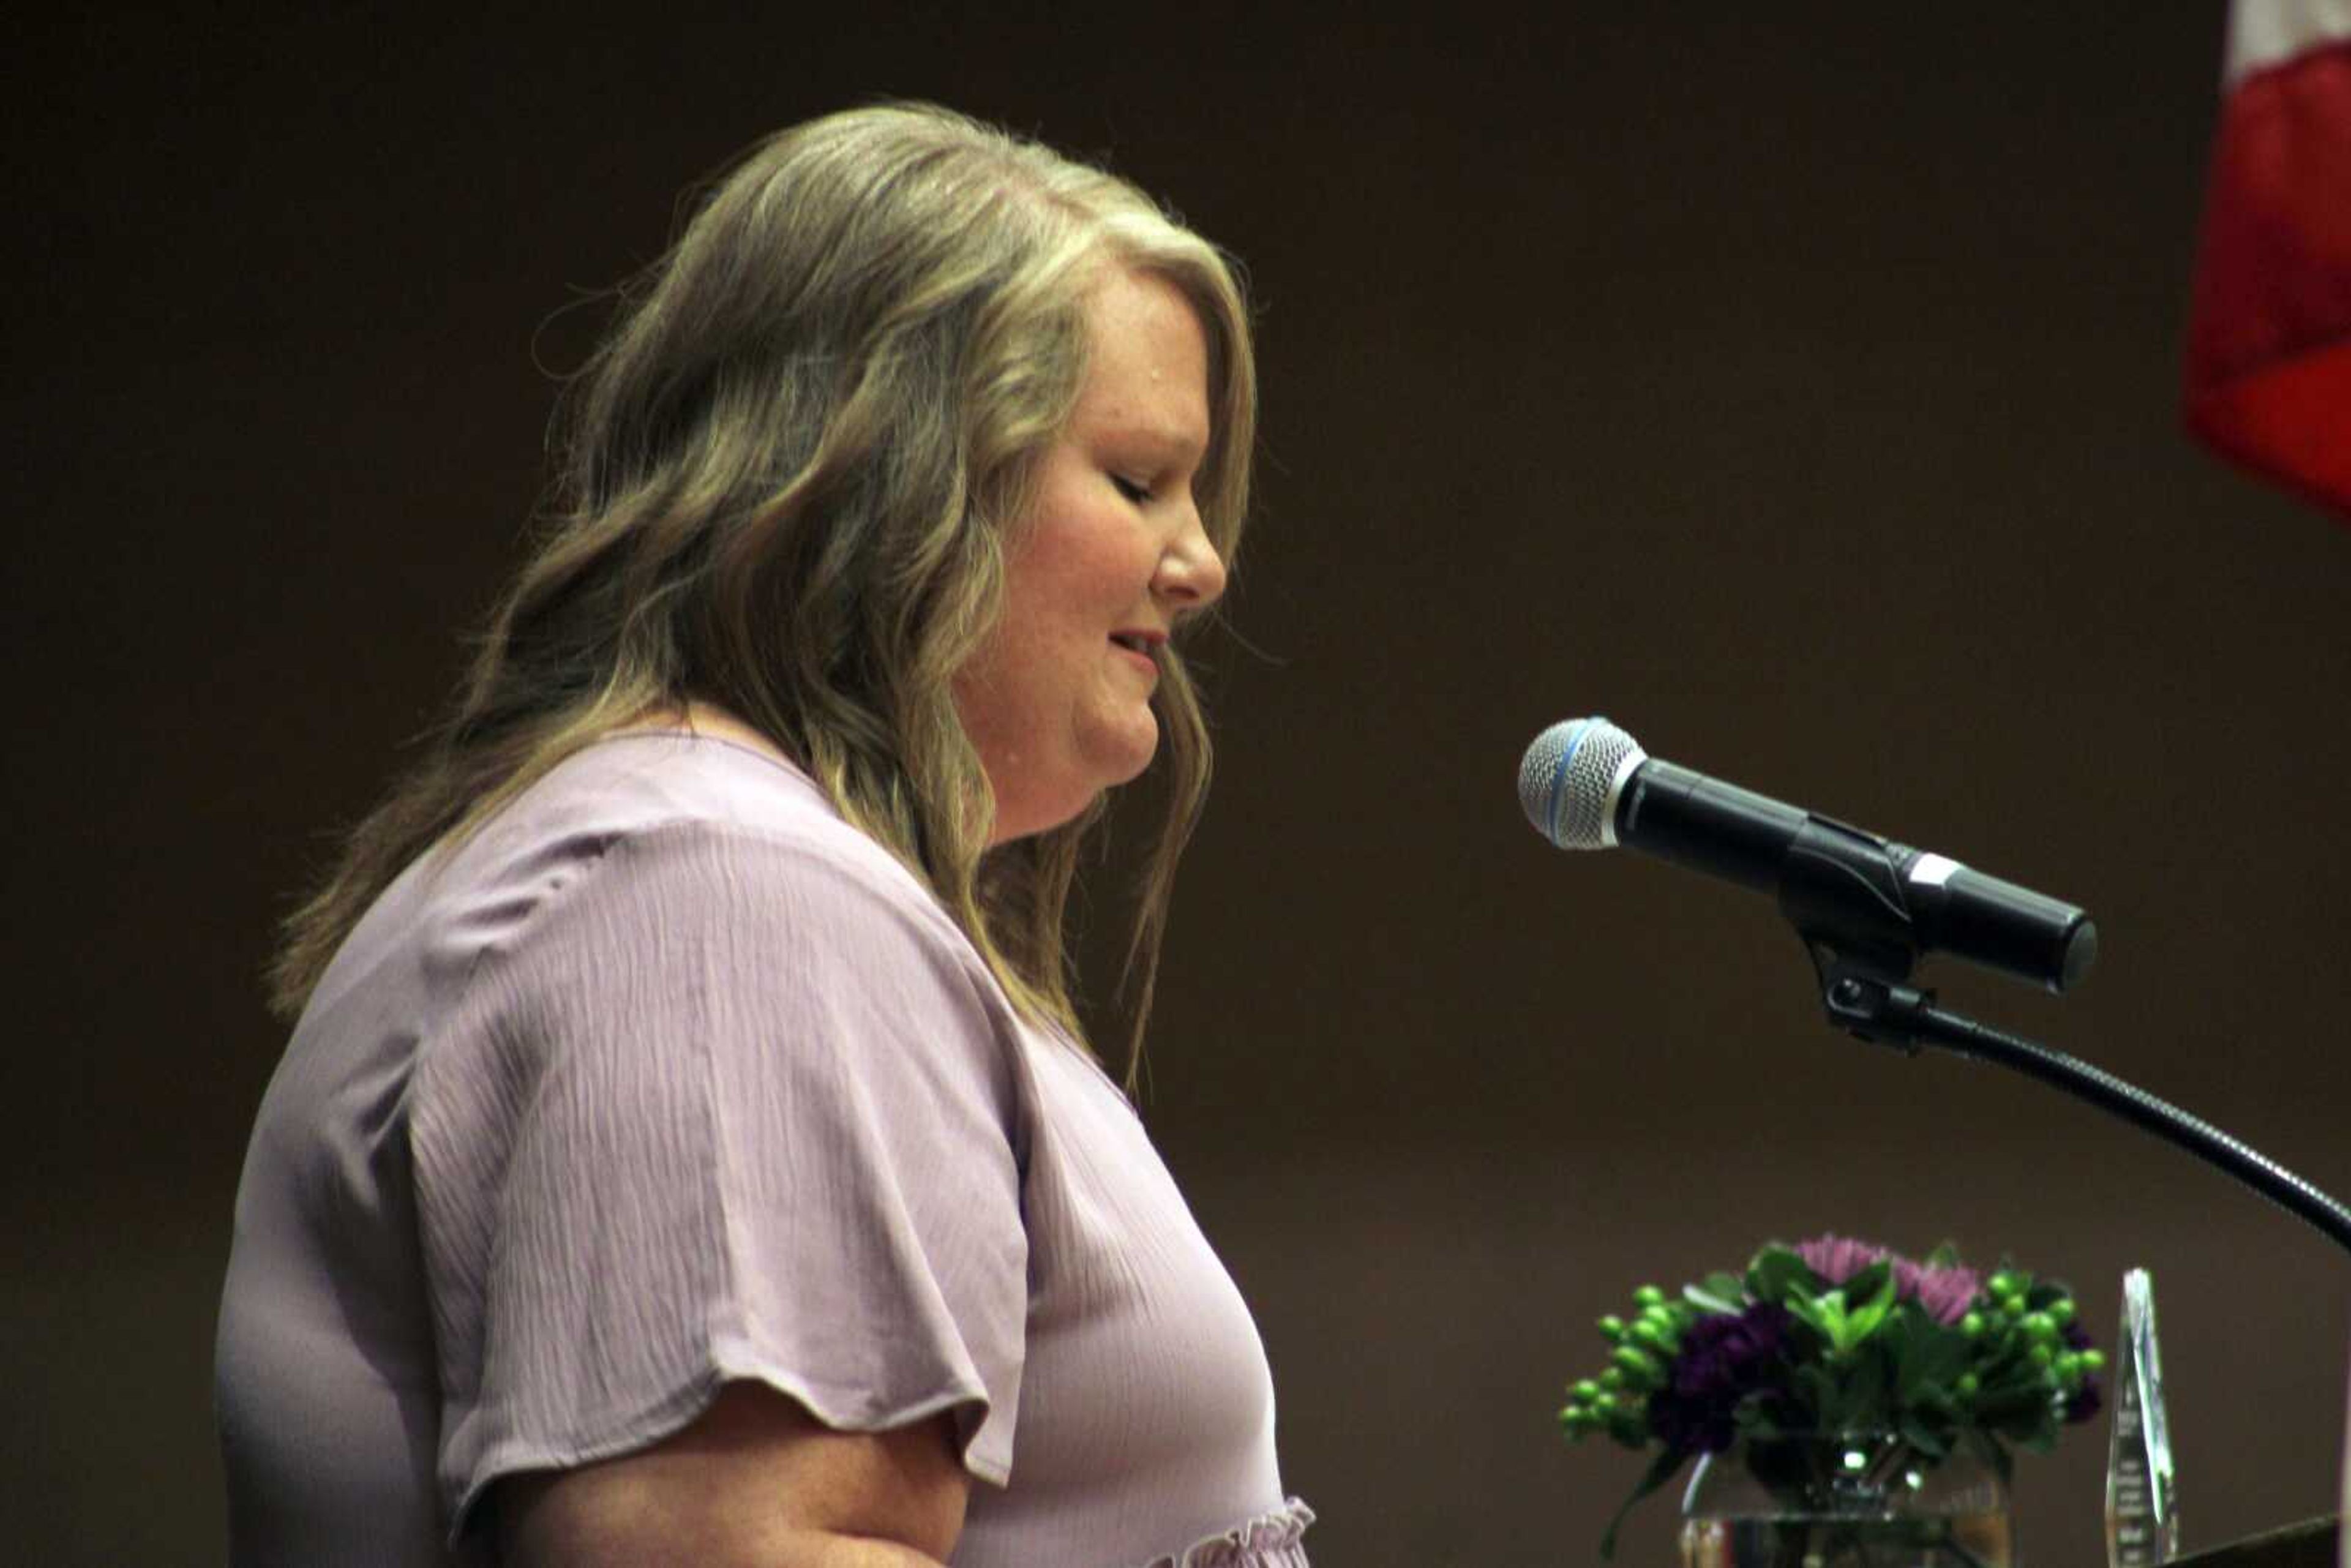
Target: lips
x: 1142, y: 647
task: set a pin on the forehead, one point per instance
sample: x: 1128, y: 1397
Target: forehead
x: 1147, y: 361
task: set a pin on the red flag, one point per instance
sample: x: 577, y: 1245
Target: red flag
x: 2268, y: 328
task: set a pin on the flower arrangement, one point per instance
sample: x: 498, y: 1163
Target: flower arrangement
x: 1835, y: 1336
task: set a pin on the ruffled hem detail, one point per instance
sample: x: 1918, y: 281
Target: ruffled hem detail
x: 1268, y: 1541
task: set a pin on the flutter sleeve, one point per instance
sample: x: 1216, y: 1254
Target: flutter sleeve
x: 728, y: 1106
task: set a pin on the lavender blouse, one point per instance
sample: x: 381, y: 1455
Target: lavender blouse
x: 669, y: 1077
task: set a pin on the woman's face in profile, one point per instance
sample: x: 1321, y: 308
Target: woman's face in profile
x: 1057, y: 699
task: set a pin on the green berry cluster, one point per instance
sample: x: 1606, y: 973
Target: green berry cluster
x: 2021, y: 1373
x: 1617, y: 1399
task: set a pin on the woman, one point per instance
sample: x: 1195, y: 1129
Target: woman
x: 688, y: 1150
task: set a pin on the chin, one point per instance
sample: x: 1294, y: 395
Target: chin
x: 1132, y: 759
x: 1038, y: 799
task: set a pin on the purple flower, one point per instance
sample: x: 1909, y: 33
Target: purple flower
x: 1944, y: 1291
x: 1837, y: 1258
x: 1723, y: 1358
x: 2090, y: 1398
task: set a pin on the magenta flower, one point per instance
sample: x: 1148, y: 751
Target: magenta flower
x: 1944, y: 1293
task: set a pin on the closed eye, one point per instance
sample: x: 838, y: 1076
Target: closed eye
x: 1135, y: 492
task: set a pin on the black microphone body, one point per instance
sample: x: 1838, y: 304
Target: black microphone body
x: 1875, y: 902
x: 1693, y: 820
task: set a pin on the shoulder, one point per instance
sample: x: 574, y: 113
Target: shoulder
x: 667, y: 919
x: 688, y: 837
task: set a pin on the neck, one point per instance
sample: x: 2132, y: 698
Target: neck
x: 695, y: 717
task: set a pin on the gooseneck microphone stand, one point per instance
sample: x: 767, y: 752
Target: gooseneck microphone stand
x: 1866, y: 997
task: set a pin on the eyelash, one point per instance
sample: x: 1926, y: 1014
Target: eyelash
x: 1138, y: 493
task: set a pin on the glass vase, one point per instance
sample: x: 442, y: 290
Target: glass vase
x: 1862, y: 1499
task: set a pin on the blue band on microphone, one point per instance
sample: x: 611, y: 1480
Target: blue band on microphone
x: 1559, y: 772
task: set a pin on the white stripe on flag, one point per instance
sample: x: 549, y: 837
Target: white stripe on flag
x: 2264, y: 33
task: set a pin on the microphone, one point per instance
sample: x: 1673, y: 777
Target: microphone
x: 1588, y: 785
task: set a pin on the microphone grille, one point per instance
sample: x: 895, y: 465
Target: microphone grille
x: 1567, y: 780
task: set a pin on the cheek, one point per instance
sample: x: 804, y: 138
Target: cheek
x: 1081, y: 572
x: 1030, y: 665
x: 1104, y: 571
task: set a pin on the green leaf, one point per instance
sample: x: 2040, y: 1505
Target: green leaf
x: 1928, y: 1356
x: 1825, y: 1315
x: 1778, y: 1274
x: 1878, y: 1300
x: 1661, y: 1471
x: 1860, y: 1399
x: 2040, y: 1439
x: 1927, y: 1439
x: 1717, y: 1292
x: 1805, y: 1341
x: 1865, y: 1285
x: 1814, y: 1392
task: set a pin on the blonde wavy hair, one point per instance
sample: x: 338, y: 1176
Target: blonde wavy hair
x: 786, y: 480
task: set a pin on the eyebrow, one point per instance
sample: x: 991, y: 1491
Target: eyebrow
x: 1180, y: 442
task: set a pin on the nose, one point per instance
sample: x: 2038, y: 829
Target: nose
x: 1191, y: 575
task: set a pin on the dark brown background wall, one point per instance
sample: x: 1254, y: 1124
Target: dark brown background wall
x: 1798, y: 389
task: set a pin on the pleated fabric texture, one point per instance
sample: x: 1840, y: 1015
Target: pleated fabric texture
x: 670, y: 1078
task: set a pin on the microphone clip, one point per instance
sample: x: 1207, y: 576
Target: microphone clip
x: 1867, y: 1004
x: 1842, y: 891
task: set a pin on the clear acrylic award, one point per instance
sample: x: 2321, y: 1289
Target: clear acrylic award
x: 2142, y: 1494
